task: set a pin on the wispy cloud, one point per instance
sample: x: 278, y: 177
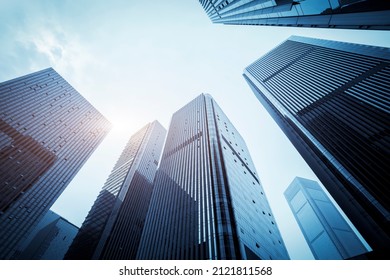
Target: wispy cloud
x: 49, y: 43
x: 55, y: 46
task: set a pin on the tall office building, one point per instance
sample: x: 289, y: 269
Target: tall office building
x: 50, y: 239
x: 356, y: 14
x: 332, y: 101
x: 207, y: 201
x: 113, y: 227
x: 47, y: 132
x: 327, y: 233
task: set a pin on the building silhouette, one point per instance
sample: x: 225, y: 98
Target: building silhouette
x: 113, y: 227
x: 327, y: 233
x: 50, y: 239
x: 331, y: 99
x: 207, y: 201
x: 355, y: 14
x: 47, y: 132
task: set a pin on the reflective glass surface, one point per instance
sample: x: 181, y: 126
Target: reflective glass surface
x: 48, y: 130
x: 372, y: 14
x: 207, y: 201
x: 328, y: 98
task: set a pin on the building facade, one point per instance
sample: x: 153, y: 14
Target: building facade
x: 331, y: 99
x: 356, y: 14
x: 208, y: 202
x: 327, y: 233
x: 113, y: 227
x: 47, y: 132
x: 50, y: 239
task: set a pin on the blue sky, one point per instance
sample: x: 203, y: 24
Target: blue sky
x: 137, y: 61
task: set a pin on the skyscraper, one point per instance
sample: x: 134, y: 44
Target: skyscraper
x: 327, y: 233
x: 50, y: 239
x: 331, y: 99
x: 113, y: 227
x: 47, y: 132
x: 207, y: 201
x: 357, y: 14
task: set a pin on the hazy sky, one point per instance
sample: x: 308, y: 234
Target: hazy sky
x: 137, y: 61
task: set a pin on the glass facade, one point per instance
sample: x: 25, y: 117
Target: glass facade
x: 208, y: 202
x: 113, y: 227
x: 327, y: 233
x: 332, y: 101
x: 50, y: 239
x: 357, y: 14
x: 47, y: 132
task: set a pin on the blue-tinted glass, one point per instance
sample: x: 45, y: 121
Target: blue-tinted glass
x: 298, y: 201
x: 46, y: 119
x: 333, y: 216
x: 316, y: 194
x: 324, y: 248
x: 350, y: 242
x: 207, y: 198
x: 333, y: 124
x: 314, y: 7
x: 311, y: 225
x: 335, y: 4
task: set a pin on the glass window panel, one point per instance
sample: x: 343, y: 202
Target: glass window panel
x: 315, y: 7
x: 351, y: 242
x: 298, y: 201
x: 325, y: 249
x: 332, y: 216
x: 310, y: 223
x: 318, y: 195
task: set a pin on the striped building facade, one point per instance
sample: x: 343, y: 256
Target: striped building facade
x: 113, y: 227
x: 332, y: 100
x: 355, y: 14
x: 47, y: 132
x: 208, y: 202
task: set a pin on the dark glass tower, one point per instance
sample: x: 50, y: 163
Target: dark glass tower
x: 47, y: 132
x: 50, y: 239
x: 357, y: 14
x: 113, y: 227
x: 332, y: 101
x: 207, y: 201
x: 327, y: 233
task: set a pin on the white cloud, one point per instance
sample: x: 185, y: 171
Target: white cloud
x: 48, y: 45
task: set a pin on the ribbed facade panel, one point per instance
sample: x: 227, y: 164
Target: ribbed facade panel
x: 332, y: 101
x: 47, y: 132
x: 114, y: 224
x: 202, y: 207
x: 356, y: 14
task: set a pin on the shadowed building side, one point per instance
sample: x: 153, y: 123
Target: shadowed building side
x: 50, y: 239
x: 113, y: 227
x: 331, y: 99
x: 47, y: 132
x: 207, y: 201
